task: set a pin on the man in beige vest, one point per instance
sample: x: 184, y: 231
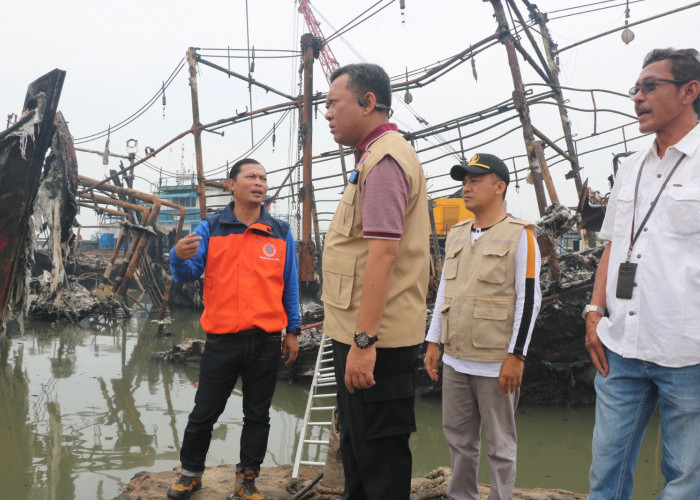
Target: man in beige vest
x: 485, y: 309
x: 375, y: 279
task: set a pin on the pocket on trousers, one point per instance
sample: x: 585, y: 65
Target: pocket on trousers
x: 389, y: 407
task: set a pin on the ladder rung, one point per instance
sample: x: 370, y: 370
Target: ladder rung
x: 322, y: 408
x: 315, y: 441
x: 304, y: 462
x: 330, y: 394
x: 318, y: 424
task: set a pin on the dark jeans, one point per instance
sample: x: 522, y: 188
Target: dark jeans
x: 375, y: 425
x: 253, y: 357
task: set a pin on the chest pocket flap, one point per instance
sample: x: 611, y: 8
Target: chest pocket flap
x: 345, y: 212
x: 449, y: 268
x: 493, y: 267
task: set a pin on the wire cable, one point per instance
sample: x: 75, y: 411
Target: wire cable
x: 130, y: 119
x: 347, y: 28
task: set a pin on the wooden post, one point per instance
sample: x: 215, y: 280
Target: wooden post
x: 309, y: 47
x: 549, y: 46
x: 197, y: 132
x: 535, y: 155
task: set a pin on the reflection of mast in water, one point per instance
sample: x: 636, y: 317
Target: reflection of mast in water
x: 15, y: 435
x: 169, y: 402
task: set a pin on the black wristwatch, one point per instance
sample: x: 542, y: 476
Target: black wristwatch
x: 363, y: 341
x: 296, y: 331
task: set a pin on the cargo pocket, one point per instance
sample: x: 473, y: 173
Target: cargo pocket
x: 491, y: 330
x: 445, y: 312
x: 493, y: 265
x: 338, y: 278
x: 389, y: 406
x: 449, y: 268
x: 345, y: 212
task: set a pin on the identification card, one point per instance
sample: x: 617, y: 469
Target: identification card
x: 625, y: 280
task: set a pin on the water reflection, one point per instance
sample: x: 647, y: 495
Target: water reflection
x: 83, y: 409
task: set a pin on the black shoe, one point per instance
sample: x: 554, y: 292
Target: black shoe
x: 185, y: 486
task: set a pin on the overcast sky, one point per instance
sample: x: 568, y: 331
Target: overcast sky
x: 118, y: 54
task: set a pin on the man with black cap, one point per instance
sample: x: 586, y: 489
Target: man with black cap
x: 486, y: 305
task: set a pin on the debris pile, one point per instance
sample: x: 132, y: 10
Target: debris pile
x: 274, y: 482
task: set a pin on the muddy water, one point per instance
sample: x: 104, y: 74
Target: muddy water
x: 84, y: 408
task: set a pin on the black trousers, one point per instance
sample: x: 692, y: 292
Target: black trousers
x: 376, y: 424
x: 255, y: 358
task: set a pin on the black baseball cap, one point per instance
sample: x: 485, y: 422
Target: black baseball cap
x: 482, y: 163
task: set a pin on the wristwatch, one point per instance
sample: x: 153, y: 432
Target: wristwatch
x: 363, y: 341
x: 591, y: 307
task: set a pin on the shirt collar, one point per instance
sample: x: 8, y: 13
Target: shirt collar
x: 373, y: 136
x: 688, y: 145
x: 228, y: 217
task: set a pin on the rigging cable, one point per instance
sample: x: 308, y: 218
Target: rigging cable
x: 347, y: 28
x: 138, y: 113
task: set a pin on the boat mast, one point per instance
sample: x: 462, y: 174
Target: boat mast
x: 197, y: 132
x: 310, y: 46
x: 538, y: 165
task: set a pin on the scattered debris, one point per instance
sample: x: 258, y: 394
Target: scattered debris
x: 274, y: 482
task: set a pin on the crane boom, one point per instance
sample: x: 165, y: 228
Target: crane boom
x: 328, y: 61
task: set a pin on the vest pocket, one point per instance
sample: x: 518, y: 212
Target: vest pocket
x: 345, y: 212
x: 338, y: 278
x: 445, y: 310
x: 493, y: 265
x: 449, y: 268
x: 491, y: 330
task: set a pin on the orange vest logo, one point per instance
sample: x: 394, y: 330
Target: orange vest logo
x: 269, y: 250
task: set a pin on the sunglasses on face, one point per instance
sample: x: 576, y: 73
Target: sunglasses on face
x: 648, y: 86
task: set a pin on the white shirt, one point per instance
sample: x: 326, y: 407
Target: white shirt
x: 482, y: 368
x: 660, y: 322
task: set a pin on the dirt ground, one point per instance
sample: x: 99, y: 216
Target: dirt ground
x: 275, y: 483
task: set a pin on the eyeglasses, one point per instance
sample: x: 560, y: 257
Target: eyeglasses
x: 649, y: 85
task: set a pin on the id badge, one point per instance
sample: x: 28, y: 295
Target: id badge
x: 625, y: 280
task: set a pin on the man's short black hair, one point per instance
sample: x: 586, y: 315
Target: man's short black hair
x: 235, y: 170
x: 684, y: 65
x: 367, y: 77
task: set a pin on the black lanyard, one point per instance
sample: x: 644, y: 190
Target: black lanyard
x: 633, y: 236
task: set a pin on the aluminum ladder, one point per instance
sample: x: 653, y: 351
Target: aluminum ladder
x: 313, y: 438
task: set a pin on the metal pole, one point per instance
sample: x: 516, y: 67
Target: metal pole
x: 309, y: 48
x: 549, y: 47
x: 197, y: 132
x: 535, y: 155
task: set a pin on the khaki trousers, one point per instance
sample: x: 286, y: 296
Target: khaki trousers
x: 467, y: 402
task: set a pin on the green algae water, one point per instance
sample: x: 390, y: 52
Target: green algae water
x: 85, y: 408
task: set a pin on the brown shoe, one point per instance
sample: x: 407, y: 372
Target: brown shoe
x: 245, y: 485
x: 185, y: 486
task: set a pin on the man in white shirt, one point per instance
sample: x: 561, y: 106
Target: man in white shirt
x: 647, y: 349
x: 485, y: 309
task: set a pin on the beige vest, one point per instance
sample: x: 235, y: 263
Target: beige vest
x: 345, y: 256
x: 479, y: 279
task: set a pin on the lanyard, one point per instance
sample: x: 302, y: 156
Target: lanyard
x: 633, y: 236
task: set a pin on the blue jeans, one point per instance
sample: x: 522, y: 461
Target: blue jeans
x: 626, y: 400
x: 255, y: 359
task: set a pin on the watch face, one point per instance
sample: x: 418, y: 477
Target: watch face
x: 363, y: 340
